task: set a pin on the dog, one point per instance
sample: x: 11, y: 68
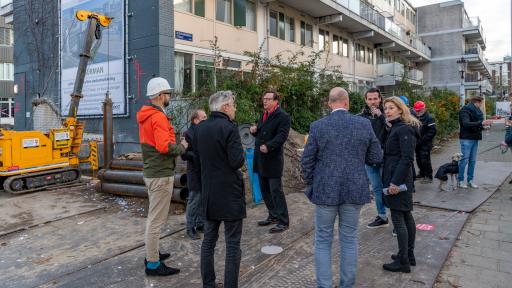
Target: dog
x: 449, y: 169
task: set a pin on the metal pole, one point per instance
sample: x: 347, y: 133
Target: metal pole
x: 108, y: 132
x: 76, y: 95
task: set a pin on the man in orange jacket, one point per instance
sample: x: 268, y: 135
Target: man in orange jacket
x: 159, y: 152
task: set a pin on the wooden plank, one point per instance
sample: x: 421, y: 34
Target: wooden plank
x: 295, y: 266
x: 186, y: 254
x: 41, y: 207
x: 39, y: 255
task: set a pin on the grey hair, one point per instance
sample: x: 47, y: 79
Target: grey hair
x: 219, y: 99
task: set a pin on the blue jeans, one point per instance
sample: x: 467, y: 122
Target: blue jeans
x: 468, y: 148
x: 194, y: 210
x: 375, y: 176
x: 325, y: 216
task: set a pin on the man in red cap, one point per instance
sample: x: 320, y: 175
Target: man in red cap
x: 424, y: 145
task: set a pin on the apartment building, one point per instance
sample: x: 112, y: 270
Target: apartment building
x: 374, y: 43
x: 458, y: 44
x: 6, y: 75
x: 501, y: 77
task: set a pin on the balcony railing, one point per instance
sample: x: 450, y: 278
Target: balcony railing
x: 393, y: 69
x: 371, y: 15
x: 474, y: 23
x: 415, y: 74
x: 472, y: 77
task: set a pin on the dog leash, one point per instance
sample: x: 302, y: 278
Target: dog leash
x: 503, y: 150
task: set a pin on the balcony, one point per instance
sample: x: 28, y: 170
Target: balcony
x: 476, y: 60
x: 7, y: 11
x: 473, y: 30
x: 473, y: 81
x: 389, y: 73
x: 365, y: 22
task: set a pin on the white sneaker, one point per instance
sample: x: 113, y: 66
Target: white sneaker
x: 472, y: 185
x: 462, y: 185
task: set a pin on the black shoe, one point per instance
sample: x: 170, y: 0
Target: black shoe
x: 278, y: 228
x: 162, y: 270
x: 192, y: 234
x: 378, y: 222
x: 161, y: 257
x: 200, y: 228
x: 267, y: 222
x: 412, y: 260
x: 396, y: 266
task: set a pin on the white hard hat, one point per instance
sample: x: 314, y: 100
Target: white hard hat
x: 156, y: 86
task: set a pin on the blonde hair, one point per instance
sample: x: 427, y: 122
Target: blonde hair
x: 405, y: 114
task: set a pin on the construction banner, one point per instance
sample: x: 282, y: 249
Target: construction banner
x: 106, y: 69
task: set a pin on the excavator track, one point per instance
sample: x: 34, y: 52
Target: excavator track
x: 24, y: 183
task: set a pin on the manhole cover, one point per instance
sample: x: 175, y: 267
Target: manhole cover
x: 271, y: 250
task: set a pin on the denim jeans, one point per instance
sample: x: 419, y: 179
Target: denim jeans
x: 194, y: 212
x: 273, y: 196
x: 325, y: 216
x: 405, y: 228
x: 375, y: 176
x: 468, y: 148
x: 232, y: 236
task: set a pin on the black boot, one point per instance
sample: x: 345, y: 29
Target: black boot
x: 396, y: 266
x: 161, y: 257
x: 162, y: 270
x: 412, y: 260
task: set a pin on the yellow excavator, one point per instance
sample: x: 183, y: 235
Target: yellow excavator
x: 33, y: 160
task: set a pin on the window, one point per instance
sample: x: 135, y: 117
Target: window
x: 402, y: 9
x: 397, y: 5
x: 6, y: 107
x: 281, y: 26
x: 306, y: 34
x: 323, y: 40
x: 344, y: 47
x: 370, y: 56
x: 250, y: 15
x: 204, y: 72
x: 335, y: 45
x: 183, y: 5
x: 223, y: 11
x: 189, y: 5
x: 357, y: 47
x: 6, y: 71
x: 182, y: 72
x: 240, y: 13
x: 6, y: 36
x: 273, y: 23
x: 290, y: 29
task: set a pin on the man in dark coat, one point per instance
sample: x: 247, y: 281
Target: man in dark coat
x: 220, y: 156
x: 339, y: 145
x: 194, y: 213
x: 374, y: 112
x: 424, y: 146
x: 271, y: 133
x: 471, y: 122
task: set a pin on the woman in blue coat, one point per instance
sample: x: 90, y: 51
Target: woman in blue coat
x: 397, y: 177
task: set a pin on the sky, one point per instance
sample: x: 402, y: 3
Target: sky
x: 495, y: 17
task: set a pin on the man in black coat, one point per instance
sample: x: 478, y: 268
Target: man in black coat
x: 220, y: 156
x: 194, y: 215
x: 271, y: 133
x: 471, y: 122
x: 424, y: 145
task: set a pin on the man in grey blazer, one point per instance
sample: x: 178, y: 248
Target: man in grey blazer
x: 333, y: 162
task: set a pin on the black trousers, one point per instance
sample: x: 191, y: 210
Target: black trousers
x: 232, y: 236
x: 273, y: 196
x: 423, y: 161
x: 405, y: 229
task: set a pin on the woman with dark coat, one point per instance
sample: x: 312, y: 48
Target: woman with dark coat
x: 397, y: 171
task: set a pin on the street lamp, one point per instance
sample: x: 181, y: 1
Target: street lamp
x: 462, y: 69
